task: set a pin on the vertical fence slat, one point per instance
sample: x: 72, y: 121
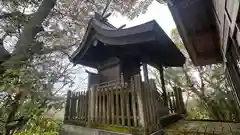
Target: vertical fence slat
x: 170, y: 102
x: 104, y: 107
x: 145, y: 102
x: 112, y: 106
x: 177, y: 100
x: 67, y: 107
x: 70, y: 110
x: 128, y: 106
x: 151, y: 103
x: 153, y: 100
x: 174, y: 102
x: 74, y: 107
x: 140, y: 94
x: 78, y: 105
x: 117, y: 105
x: 108, y: 106
x: 134, y: 107
x: 85, y: 106
x: 101, y: 105
x: 181, y: 101
x: 122, y: 106
x: 80, y: 97
x: 91, y: 100
x: 97, y: 106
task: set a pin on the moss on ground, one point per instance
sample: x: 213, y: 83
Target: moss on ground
x: 115, y: 128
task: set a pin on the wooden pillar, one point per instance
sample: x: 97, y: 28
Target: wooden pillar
x: 163, y: 86
x: 146, y: 92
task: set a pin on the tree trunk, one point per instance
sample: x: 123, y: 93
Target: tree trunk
x: 23, y: 46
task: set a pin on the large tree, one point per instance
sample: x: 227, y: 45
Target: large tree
x: 36, y: 38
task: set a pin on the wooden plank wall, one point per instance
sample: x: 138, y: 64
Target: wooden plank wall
x: 228, y: 16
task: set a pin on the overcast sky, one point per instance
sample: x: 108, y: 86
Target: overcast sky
x: 156, y: 11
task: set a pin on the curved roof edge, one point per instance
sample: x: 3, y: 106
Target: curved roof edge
x: 149, y: 32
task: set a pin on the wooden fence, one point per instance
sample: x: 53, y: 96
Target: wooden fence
x: 115, y: 105
x: 77, y: 107
x: 175, y: 101
x: 136, y: 105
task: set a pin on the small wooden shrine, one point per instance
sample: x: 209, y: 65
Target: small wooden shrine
x: 116, y: 95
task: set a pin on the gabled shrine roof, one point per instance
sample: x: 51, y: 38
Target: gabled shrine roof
x: 146, y: 42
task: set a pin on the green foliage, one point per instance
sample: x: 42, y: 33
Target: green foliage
x: 198, y: 111
x: 40, y: 126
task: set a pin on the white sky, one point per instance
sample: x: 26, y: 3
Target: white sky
x: 156, y: 11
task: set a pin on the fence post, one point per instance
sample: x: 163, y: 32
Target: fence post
x: 122, y: 100
x: 170, y: 102
x: 139, y: 91
x: 112, y: 106
x: 179, y: 100
x: 134, y: 101
x: 161, y: 71
x: 153, y: 99
x: 117, y: 104
x: 91, y: 102
x: 79, y: 109
x: 104, y: 106
x: 73, y: 106
x: 67, y: 107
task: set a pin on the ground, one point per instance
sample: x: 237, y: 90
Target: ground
x: 203, y: 128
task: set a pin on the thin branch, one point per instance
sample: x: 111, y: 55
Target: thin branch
x: 106, y: 7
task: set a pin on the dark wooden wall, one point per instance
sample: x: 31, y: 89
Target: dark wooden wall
x: 227, y: 16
